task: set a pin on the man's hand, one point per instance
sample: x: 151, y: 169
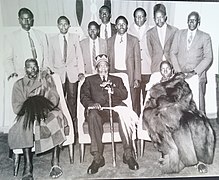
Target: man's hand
x: 96, y: 106
x: 136, y: 84
x: 190, y: 74
x: 12, y: 76
x: 81, y: 77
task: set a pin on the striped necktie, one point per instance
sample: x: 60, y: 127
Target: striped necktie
x: 33, y: 49
x: 106, y: 33
x: 94, y: 53
x: 65, y: 49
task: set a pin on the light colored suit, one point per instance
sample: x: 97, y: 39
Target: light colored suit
x: 74, y: 64
x: 14, y: 51
x: 85, y: 47
x: 154, y: 46
x: 133, y: 66
x: 198, y: 57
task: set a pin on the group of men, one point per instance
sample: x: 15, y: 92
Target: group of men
x: 136, y: 51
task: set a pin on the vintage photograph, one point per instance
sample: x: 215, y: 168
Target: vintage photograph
x: 109, y: 89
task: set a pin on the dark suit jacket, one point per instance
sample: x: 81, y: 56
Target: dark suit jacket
x: 199, y: 57
x: 91, y: 92
x: 133, y: 57
x: 154, y: 46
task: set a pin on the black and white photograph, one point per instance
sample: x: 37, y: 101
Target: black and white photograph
x: 109, y: 89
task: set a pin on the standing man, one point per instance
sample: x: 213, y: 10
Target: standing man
x: 192, y: 53
x: 124, y: 55
x: 107, y: 29
x: 65, y: 59
x: 24, y: 43
x: 139, y: 29
x: 91, y: 47
x: 94, y: 94
x: 160, y: 38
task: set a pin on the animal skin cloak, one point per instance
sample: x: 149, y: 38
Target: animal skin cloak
x: 178, y: 130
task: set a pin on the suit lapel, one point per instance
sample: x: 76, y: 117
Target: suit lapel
x: 168, y: 33
x: 156, y: 36
x: 196, y: 38
x: 57, y: 45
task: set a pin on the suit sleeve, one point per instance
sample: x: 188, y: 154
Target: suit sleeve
x: 148, y: 39
x: 120, y: 90
x: 85, y: 94
x: 174, y: 52
x: 51, y: 55
x: 79, y: 57
x: 207, y: 56
x: 137, y: 73
x: 45, y: 50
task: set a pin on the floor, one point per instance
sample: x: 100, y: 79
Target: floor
x: 149, y: 167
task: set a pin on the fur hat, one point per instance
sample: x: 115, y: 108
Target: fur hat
x: 101, y: 58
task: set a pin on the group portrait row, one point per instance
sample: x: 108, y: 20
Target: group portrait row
x: 160, y: 67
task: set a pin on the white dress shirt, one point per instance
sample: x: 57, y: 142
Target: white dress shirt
x: 120, y: 51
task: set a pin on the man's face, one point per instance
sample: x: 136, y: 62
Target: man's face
x: 104, y: 15
x: 93, y: 32
x: 140, y: 18
x: 166, y: 70
x: 159, y: 19
x: 192, y: 22
x: 32, y: 70
x: 63, y: 26
x: 103, y: 68
x: 26, y: 21
x: 121, y: 26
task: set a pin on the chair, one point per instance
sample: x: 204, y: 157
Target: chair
x: 155, y: 78
x: 83, y: 135
x: 69, y: 139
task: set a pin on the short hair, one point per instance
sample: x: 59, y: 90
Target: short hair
x: 105, y: 7
x: 121, y: 17
x: 161, y: 8
x: 93, y: 23
x: 63, y: 17
x: 31, y: 60
x: 194, y: 13
x: 25, y: 10
x: 140, y: 9
x: 166, y: 62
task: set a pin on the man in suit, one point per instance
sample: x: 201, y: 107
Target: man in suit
x: 160, y: 38
x: 192, y: 53
x: 65, y: 59
x: 139, y: 28
x: 94, y: 94
x: 107, y: 29
x: 24, y: 43
x: 124, y: 56
x: 92, y: 46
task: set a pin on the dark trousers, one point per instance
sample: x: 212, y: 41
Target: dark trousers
x: 144, y: 80
x: 202, y: 91
x: 70, y: 93
x: 96, y: 119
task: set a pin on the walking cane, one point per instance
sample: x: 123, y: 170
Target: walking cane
x: 111, y: 125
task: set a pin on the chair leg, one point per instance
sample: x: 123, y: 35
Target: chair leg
x: 71, y: 153
x: 17, y: 158
x: 135, y: 149
x: 81, y: 153
x: 142, y: 147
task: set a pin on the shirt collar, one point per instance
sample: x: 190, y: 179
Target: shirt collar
x: 193, y: 32
x: 163, y: 27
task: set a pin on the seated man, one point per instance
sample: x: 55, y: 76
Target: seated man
x: 177, y: 128
x: 35, y: 101
x: 94, y: 95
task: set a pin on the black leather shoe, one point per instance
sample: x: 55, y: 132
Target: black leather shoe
x: 93, y: 168
x: 133, y: 165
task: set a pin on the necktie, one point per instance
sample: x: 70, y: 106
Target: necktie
x: 106, y: 34
x: 94, y: 53
x: 33, y: 49
x: 190, y: 39
x: 65, y: 49
x: 121, y: 40
x: 104, y: 79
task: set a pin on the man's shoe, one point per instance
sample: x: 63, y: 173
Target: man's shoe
x: 133, y: 165
x: 93, y: 168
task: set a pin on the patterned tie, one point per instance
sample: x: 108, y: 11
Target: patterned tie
x: 94, y: 53
x: 190, y: 39
x: 106, y: 34
x: 65, y: 49
x: 33, y: 49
